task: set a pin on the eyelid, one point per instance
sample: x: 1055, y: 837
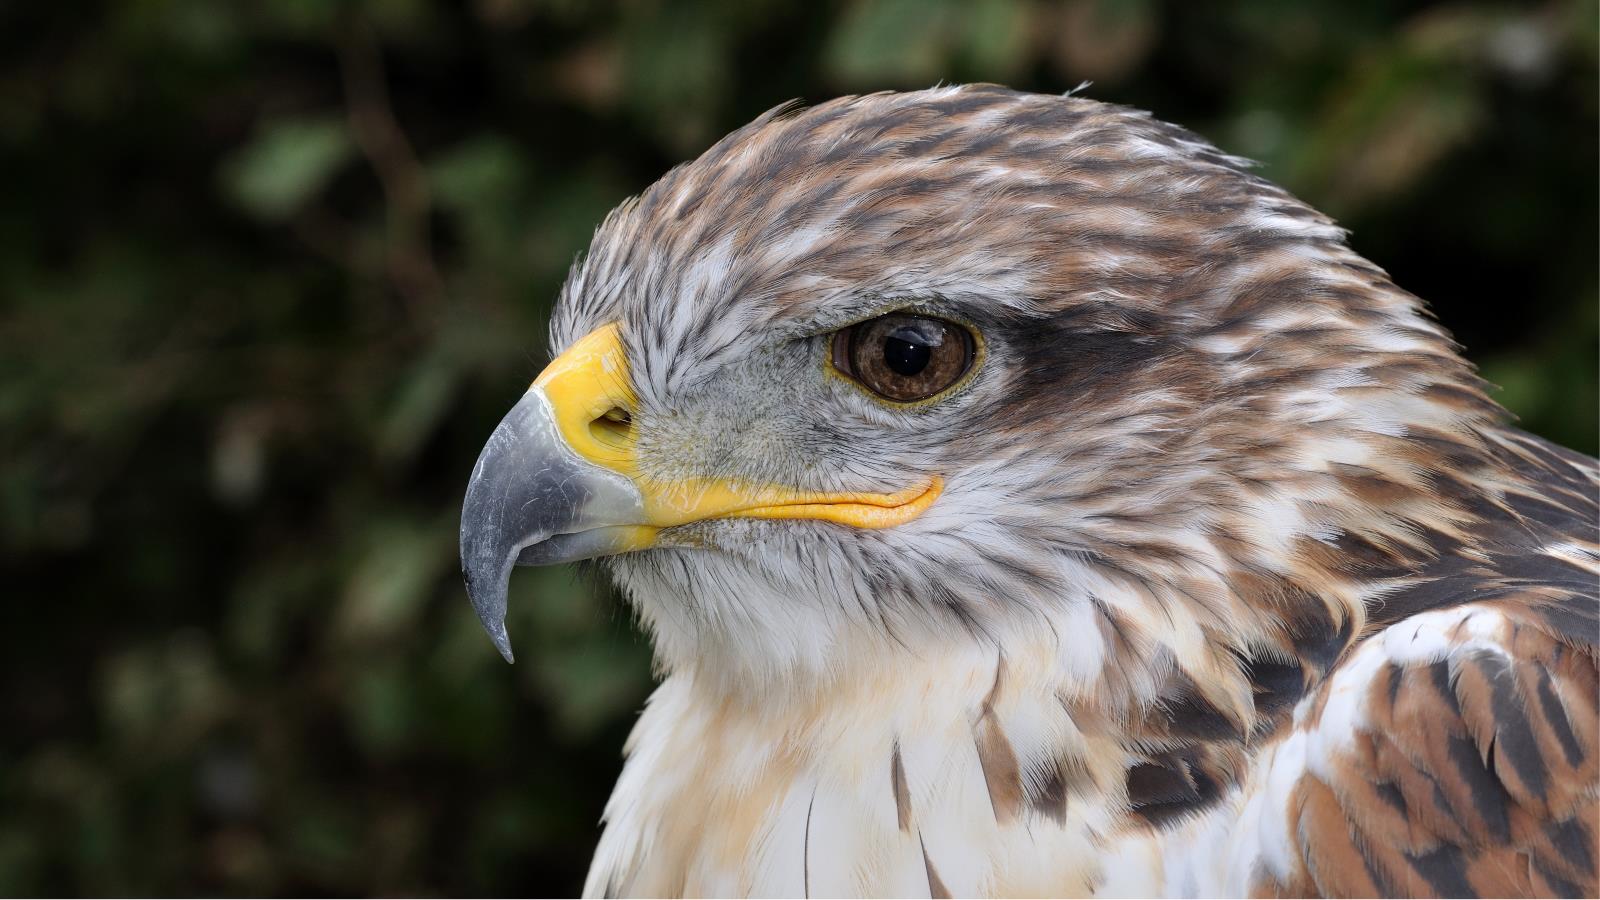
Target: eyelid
x: 826, y: 325
x: 839, y: 350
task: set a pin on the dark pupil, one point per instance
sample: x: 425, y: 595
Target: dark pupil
x: 906, y: 352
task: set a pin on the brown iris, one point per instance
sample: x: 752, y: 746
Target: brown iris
x: 902, y: 356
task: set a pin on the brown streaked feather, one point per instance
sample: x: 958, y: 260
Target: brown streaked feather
x: 936, y: 888
x: 1334, y: 856
x: 902, y: 794
x: 997, y: 757
x: 1188, y: 714
x: 1477, y: 775
x: 1047, y: 794
x: 1170, y: 787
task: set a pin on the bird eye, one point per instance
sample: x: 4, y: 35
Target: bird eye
x: 904, y: 357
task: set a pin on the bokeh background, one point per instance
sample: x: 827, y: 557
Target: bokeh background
x: 271, y: 271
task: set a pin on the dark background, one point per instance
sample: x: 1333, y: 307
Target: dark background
x: 271, y: 271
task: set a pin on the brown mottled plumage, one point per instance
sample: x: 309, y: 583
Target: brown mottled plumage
x: 1237, y: 582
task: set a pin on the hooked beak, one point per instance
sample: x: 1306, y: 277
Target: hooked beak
x: 559, y: 481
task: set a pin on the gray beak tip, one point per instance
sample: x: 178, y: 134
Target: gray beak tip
x: 502, y: 642
x: 490, y: 603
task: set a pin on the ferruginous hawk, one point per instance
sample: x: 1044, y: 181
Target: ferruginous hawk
x: 1025, y: 497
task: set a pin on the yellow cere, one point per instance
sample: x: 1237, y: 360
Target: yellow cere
x: 590, y: 380
x: 582, y: 385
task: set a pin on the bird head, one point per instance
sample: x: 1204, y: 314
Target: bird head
x: 906, y: 369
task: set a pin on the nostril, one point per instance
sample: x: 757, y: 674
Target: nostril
x: 613, y: 427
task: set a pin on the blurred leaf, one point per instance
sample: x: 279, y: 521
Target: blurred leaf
x: 1104, y: 40
x: 482, y: 171
x: 996, y: 37
x: 421, y: 404
x: 286, y: 165
x: 268, y: 595
x: 158, y: 698
x: 483, y: 183
x: 402, y: 562
x: 381, y: 708
x: 676, y: 71
x: 891, y: 42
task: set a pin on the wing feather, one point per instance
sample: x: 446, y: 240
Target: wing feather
x: 1470, y: 770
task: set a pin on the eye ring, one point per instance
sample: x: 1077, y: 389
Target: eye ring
x: 904, y: 357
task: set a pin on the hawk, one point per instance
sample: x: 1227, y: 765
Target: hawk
x: 1025, y: 497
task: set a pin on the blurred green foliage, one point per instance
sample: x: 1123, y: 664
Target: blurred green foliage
x: 270, y: 273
